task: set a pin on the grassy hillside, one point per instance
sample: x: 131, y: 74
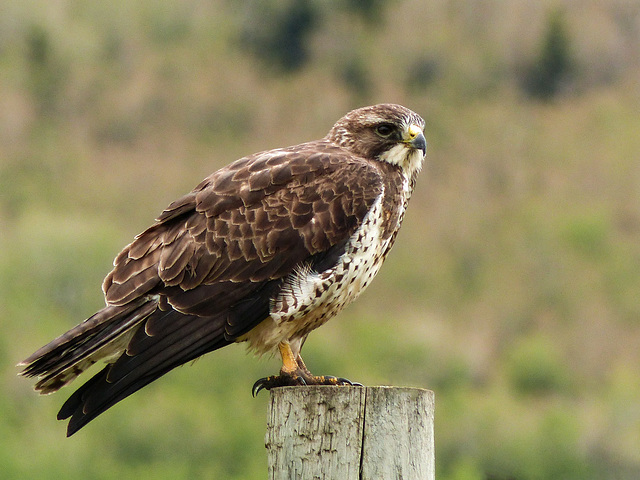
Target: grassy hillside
x: 512, y: 291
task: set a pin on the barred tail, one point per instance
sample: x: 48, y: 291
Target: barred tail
x: 102, y: 336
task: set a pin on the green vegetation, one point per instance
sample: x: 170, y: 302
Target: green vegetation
x: 512, y: 291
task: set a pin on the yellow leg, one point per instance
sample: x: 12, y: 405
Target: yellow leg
x: 294, y: 372
x: 289, y: 364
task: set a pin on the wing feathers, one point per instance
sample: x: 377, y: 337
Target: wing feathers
x: 243, y: 225
x: 175, y: 259
x: 183, y: 204
x: 141, y: 281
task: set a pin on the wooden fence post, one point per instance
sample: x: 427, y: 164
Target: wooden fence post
x: 350, y: 433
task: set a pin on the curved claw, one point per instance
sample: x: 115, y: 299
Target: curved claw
x: 346, y: 381
x: 330, y: 380
x: 259, y: 385
x: 273, y: 381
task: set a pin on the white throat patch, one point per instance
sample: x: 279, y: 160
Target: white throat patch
x: 409, y: 159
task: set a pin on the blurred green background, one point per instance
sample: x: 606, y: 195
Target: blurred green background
x: 512, y: 291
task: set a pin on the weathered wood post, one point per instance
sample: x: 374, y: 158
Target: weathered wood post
x: 350, y: 433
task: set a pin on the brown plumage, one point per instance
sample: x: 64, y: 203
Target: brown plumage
x: 264, y: 250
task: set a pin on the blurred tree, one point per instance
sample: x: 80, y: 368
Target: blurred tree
x: 535, y: 367
x: 371, y: 11
x: 357, y: 78
x: 422, y: 72
x: 45, y: 74
x: 551, y: 71
x: 278, y: 33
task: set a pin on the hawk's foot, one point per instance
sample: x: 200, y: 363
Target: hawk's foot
x: 300, y: 377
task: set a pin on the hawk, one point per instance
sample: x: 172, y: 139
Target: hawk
x: 262, y: 251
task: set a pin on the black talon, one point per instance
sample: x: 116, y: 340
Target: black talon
x: 346, y: 381
x: 299, y: 378
x: 259, y: 385
x: 274, y: 381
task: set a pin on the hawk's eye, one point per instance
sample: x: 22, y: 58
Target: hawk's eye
x: 384, y: 130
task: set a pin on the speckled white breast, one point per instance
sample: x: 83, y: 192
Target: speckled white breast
x: 308, y: 299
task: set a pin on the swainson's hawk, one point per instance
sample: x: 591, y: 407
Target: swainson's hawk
x: 263, y: 251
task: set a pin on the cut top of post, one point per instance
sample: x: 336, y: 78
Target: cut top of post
x: 351, y: 433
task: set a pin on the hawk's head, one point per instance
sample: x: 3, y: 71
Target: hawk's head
x: 387, y: 132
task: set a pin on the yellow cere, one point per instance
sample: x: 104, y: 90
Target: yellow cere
x: 414, y: 131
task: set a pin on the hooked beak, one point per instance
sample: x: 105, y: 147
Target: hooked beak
x: 415, y: 138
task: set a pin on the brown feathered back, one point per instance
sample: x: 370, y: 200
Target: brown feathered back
x: 253, y: 220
